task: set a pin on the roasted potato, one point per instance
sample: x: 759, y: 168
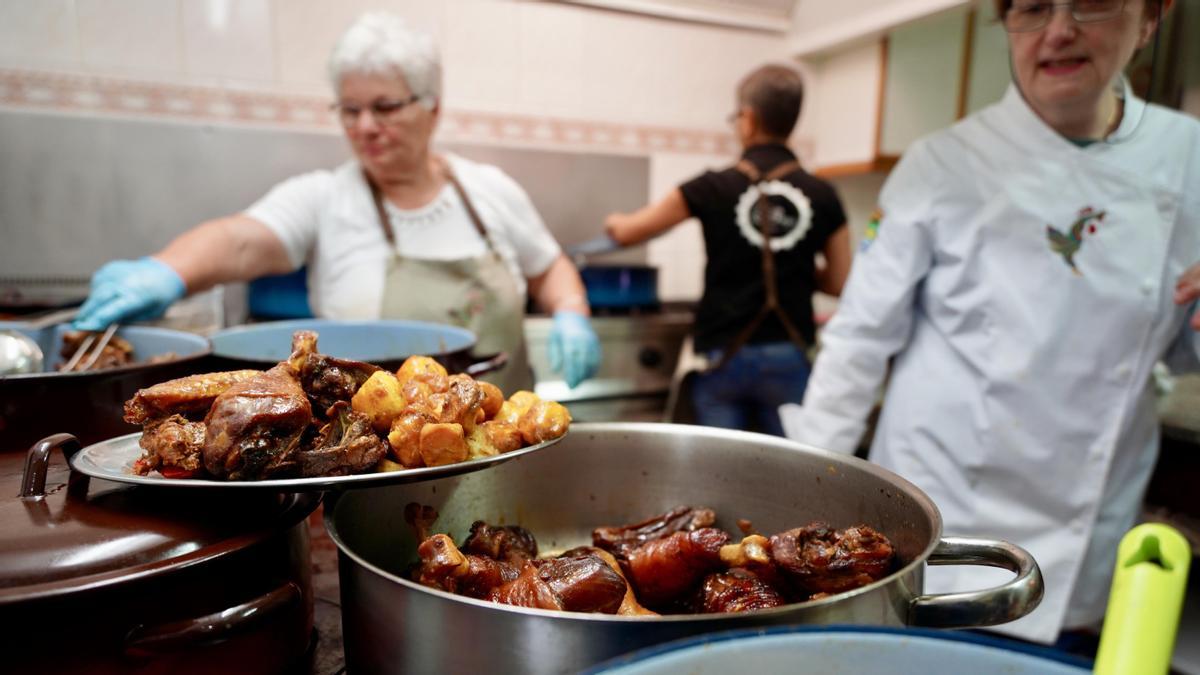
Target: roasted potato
x: 443, y: 444
x: 511, y: 410
x: 415, y: 391
x: 505, y: 437
x: 493, y: 398
x: 379, y: 398
x: 545, y: 420
x: 423, y: 369
x: 405, y: 437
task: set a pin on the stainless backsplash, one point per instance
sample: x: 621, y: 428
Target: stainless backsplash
x: 78, y: 191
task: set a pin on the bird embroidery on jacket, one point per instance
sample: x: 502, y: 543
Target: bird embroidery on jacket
x: 1067, y: 245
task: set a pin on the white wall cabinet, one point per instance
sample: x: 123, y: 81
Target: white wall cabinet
x: 874, y: 97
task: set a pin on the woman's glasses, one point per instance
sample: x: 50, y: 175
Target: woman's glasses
x: 384, y: 112
x: 1030, y: 15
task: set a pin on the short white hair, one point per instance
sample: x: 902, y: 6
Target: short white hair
x: 380, y: 43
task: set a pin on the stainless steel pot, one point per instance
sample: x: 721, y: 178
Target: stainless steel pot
x: 615, y: 473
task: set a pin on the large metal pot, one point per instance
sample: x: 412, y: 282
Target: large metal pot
x: 100, y: 578
x: 615, y: 473
x: 90, y: 404
x: 385, y: 343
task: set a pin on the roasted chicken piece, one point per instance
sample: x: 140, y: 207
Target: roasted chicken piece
x: 753, y: 554
x: 574, y: 584
x: 189, y: 396
x: 621, y: 540
x: 737, y: 590
x: 629, y: 603
x: 173, y: 447
x: 326, y: 379
x: 818, y: 559
x: 664, y: 570
x: 506, y: 543
x: 444, y: 566
x: 346, y: 445
x: 254, y: 427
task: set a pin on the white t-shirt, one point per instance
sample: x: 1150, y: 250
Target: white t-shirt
x: 328, y: 219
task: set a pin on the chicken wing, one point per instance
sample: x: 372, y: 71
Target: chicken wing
x: 187, y: 396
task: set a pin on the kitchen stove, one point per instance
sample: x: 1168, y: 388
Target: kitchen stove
x: 640, y: 351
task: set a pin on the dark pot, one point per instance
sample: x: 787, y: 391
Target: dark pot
x: 89, y: 405
x: 102, y: 578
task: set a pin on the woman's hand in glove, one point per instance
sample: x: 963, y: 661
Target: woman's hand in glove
x: 129, y: 290
x: 574, y: 349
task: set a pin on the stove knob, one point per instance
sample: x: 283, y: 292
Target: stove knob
x: 650, y: 357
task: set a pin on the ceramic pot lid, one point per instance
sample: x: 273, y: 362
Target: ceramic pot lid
x: 60, y: 531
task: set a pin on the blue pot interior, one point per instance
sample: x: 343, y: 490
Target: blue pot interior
x: 371, y: 341
x: 829, y: 650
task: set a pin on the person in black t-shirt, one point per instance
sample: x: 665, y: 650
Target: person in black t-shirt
x: 755, y: 318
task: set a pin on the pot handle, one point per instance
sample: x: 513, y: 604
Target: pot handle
x: 37, y: 463
x: 988, y: 607
x: 486, y: 364
x: 144, y: 641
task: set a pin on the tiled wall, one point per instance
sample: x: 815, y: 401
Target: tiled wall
x: 518, y: 73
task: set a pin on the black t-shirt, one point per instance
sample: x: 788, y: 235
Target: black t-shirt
x: 805, y: 211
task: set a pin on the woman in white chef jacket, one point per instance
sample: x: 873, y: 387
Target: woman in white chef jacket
x: 399, y: 232
x: 1032, y: 264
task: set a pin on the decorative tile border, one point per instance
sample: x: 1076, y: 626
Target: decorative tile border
x: 85, y: 94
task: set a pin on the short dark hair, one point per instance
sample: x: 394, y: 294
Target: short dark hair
x: 775, y: 93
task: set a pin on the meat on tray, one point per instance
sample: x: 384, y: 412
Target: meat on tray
x: 313, y: 415
x: 673, y: 563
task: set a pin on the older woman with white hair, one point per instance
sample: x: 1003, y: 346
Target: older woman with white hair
x: 397, y: 232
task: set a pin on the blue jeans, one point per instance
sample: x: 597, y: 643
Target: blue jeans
x: 746, y: 393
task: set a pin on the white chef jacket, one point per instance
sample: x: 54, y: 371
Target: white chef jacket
x: 1020, y: 396
x: 328, y: 219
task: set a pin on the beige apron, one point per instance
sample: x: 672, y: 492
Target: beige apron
x: 477, y: 293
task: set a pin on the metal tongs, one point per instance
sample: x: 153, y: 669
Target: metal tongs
x: 85, y: 357
x: 89, y: 350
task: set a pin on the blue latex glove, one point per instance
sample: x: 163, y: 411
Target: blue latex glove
x: 129, y: 290
x: 574, y: 349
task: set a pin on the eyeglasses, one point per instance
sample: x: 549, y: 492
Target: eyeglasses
x: 1029, y: 15
x: 384, y: 112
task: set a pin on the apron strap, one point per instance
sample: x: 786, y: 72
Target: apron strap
x: 386, y: 223
x: 771, y: 304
